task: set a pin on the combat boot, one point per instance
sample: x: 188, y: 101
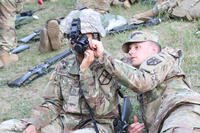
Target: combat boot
x: 127, y: 4
x: 146, y: 14
x: 7, y: 59
x: 54, y: 34
x: 44, y: 45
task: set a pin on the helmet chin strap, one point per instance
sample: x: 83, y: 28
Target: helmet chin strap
x: 96, y: 36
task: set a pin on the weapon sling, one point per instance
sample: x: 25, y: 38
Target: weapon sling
x: 82, y: 96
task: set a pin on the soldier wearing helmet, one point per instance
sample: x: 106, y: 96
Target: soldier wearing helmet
x: 168, y: 103
x: 52, y: 35
x: 65, y: 109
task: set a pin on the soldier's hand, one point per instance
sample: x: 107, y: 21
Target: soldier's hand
x: 136, y: 127
x: 87, y: 60
x: 97, y: 47
x: 30, y: 129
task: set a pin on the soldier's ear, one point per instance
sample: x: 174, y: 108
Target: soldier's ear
x: 155, y: 48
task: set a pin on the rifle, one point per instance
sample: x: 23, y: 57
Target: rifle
x: 126, y: 27
x: 121, y: 123
x: 31, y: 36
x: 25, y: 17
x: 38, y: 70
x: 19, y: 49
x: 29, y: 12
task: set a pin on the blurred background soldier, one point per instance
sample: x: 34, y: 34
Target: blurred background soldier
x: 125, y: 3
x: 189, y: 9
x: 8, y: 41
x: 103, y: 6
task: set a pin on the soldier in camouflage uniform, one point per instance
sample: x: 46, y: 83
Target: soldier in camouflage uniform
x: 102, y: 6
x: 168, y: 104
x: 189, y: 9
x: 63, y: 109
x: 8, y: 10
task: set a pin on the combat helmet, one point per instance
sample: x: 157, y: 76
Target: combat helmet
x: 90, y: 22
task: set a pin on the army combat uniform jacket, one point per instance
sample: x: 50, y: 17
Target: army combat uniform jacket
x: 62, y: 99
x: 161, y: 87
x: 189, y: 9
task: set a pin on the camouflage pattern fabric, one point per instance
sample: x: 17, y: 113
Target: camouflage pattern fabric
x: 62, y: 103
x: 101, y: 6
x: 90, y: 22
x: 183, y: 119
x: 8, y: 9
x: 162, y: 88
x: 189, y: 9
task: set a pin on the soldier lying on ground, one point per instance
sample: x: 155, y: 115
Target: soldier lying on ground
x: 168, y: 104
x: 189, y: 9
x: 70, y: 91
x: 103, y: 6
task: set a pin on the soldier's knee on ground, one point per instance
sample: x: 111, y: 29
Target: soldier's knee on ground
x: 7, y: 59
x: 54, y: 34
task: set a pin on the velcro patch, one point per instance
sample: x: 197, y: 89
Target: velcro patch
x: 153, y: 61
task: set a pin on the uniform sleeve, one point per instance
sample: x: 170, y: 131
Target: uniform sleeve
x: 164, y: 6
x: 151, y: 72
x: 52, y: 105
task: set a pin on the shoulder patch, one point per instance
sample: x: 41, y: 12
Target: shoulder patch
x: 153, y: 61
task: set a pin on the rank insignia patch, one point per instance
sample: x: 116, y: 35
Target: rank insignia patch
x: 153, y: 61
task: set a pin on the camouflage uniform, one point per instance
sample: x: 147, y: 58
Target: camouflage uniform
x: 168, y: 104
x: 101, y: 6
x: 63, y: 109
x: 62, y: 102
x: 189, y: 9
x: 8, y: 9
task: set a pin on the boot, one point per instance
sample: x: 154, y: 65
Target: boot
x: 54, y: 34
x: 145, y: 15
x: 44, y: 45
x: 7, y: 59
x: 127, y: 4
